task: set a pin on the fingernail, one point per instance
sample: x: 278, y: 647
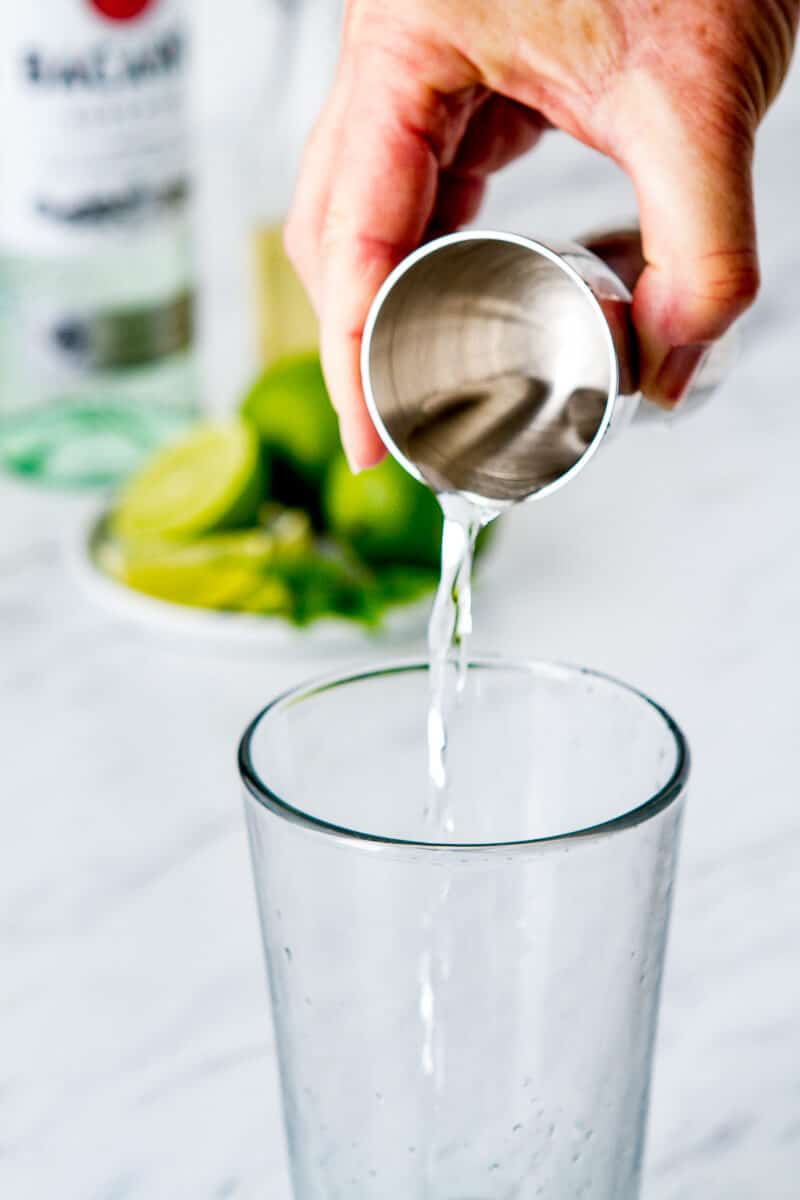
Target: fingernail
x: 679, y: 370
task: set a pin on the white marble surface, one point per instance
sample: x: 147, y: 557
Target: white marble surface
x: 136, y: 1060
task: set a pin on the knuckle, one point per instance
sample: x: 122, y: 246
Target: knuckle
x: 729, y: 284
x: 734, y: 274
x: 332, y: 232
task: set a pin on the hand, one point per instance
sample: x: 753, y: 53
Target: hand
x: 431, y: 96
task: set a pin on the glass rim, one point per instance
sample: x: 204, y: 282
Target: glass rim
x: 668, y: 794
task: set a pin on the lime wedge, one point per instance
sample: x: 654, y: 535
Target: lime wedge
x: 186, y: 579
x: 208, y: 573
x: 212, y: 479
x: 223, y: 570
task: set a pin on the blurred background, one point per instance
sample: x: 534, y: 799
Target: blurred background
x: 135, y: 1047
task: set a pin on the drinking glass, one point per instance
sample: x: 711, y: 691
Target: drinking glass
x: 469, y: 1015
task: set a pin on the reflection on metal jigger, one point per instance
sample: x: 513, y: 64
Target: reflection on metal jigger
x: 494, y: 365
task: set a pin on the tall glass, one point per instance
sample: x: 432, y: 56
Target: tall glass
x: 469, y: 1016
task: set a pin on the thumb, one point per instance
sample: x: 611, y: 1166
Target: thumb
x: 693, y: 180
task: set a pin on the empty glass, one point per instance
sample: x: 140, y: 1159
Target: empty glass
x: 469, y: 1017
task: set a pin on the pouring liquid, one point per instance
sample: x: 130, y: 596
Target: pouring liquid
x: 449, y: 633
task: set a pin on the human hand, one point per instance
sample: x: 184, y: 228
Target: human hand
x: 432, y: 96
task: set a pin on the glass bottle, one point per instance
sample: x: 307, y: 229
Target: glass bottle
x: 96, y: 288
x: 305, y: 45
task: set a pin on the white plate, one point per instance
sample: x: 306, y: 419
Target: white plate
x: 403, y: 624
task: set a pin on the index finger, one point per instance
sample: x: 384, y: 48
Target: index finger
x: 394, y: 133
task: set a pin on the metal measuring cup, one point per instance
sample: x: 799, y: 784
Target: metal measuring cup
x: 495, y: 366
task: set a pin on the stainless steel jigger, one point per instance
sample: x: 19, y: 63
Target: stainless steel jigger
x: 494, y: 365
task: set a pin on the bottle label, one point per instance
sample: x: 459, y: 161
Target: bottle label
x: 63, y: 344
x: 92, y: 120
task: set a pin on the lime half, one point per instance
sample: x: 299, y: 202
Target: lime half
x: 212, y: 479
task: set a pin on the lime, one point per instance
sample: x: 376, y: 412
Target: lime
x: 212, y: 479
x: 191, y: 575
x: 384, y: 514
x: 290, y: 408
x: 403, y: 584
x: 223, y: 570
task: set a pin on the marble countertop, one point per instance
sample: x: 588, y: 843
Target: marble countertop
x: 136, y: 1060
